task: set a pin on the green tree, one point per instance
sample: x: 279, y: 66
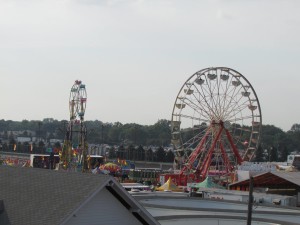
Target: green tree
x: 130, y: 152
x: 11, y: 136
x: 19, y: 147
x: 41, y: 147
x: 114, y: 134
x: 24, y: 124
x: 273, y: 154
x: 3, y: 125
x: 284, y: 154
x: 39, y: 132
x: 121, y: 152
x: 170, y: 156
x: 259, y: 155
x: 293, y: 141
x: 5, y: 147
x: 160, y: 154
x: 149, y: 155
x: 34, y: 148
x: 57, y: 145
x: 25, y: 133
x: 5, y: 135
x: 140, y: 153
x: 159, y: 133
x: 112, y: 153
x: 295, y: 127
x: 12, y: 144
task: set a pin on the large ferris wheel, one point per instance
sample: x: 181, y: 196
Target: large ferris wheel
x: 74, y: 151
x: 216, y: 122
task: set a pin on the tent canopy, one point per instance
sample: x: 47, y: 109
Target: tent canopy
x: 110, y: 167
x: 207, y: 183
x: 168, y: 186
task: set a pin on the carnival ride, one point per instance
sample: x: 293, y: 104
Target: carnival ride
x: 216, y: 124
x: 74, y: 151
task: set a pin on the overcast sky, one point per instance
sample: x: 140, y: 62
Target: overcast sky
x: 134, y: 55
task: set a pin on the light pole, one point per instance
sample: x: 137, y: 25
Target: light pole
x: 102, y: 127
x: 250, y: 201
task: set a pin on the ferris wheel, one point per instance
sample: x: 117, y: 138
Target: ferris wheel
x: 216, y: 122
x: 74, y: 150
x: 77, y: 100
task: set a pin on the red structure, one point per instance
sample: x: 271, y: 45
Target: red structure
x: 198, y: 173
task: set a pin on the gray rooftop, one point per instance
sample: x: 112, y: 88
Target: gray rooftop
x: 31, y: 194
x: 36, y: 196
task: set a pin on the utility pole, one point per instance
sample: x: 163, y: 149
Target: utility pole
x: 250, y: 201
x: 277, y: 146
x: 102, y: 141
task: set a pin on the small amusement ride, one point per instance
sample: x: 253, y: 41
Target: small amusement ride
x: 74, y: 151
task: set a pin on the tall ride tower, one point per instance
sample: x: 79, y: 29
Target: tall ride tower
x: 74, y: 151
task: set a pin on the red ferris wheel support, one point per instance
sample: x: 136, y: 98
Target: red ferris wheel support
x: 200, y: 172
x: 194, y: 155
x: 207, y: 161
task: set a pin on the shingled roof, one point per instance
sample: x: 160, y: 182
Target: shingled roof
x: 39, y: 196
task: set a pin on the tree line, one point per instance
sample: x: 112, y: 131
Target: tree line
x: 97, y: 132
x: 275, y: 143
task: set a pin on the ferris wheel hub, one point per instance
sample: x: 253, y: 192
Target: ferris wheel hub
x: 227, y: 125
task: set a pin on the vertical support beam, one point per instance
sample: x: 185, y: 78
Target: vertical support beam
x: 226, y: 159
x: 204, y: 169
x: 250, y: 201
x: 234, y: 149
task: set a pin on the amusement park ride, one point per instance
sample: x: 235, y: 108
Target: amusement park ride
x: 74, y: 151
x: 216, y: 124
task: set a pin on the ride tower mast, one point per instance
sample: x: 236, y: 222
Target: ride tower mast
x: 74, y: 151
